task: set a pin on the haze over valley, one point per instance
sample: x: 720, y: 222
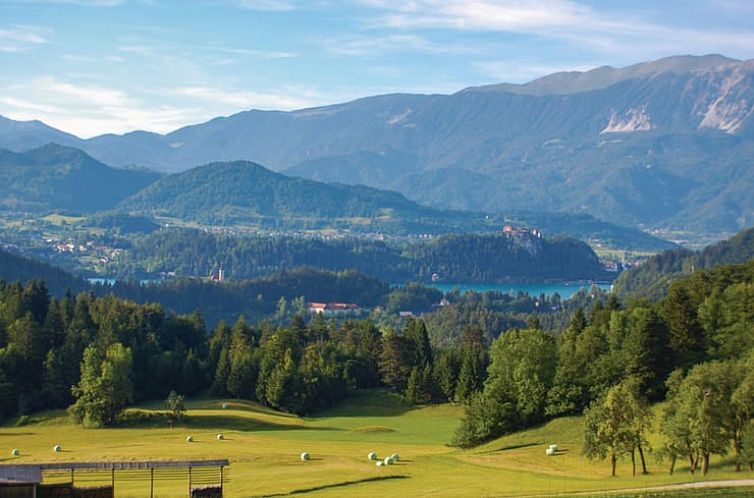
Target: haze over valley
x: 662, y: 145
x: 376, y: 248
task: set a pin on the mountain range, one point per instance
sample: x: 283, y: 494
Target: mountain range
x: 55, y: 178
x: 665, y: 144
x: 657, y: 274
x: 59, y: 178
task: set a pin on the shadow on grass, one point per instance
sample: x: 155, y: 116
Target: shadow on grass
x: 369, y: 403
x: 141, y: 419
x: 36, y: 418
x: 331, y: 486
x: 238, y: 405
x: 246, y: 424
x: 513, y: 447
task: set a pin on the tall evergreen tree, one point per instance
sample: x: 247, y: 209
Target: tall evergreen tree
x: 394, y: 364
x: 687, y: 338
x: 446, y: 371
x: 646, y: 350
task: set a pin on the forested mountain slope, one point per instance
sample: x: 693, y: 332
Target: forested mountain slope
x: 453, y: 258
x: 54, y: 177
x: 667, y: 143
x: 655, y: 276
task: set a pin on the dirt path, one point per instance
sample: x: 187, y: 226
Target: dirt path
x: 730, y: 483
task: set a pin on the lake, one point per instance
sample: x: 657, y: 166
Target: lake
x: 112, y: 281
x: 566, y: 290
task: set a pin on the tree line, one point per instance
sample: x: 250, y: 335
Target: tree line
x: 654, y: 277
x: 96, y: 355
x: 694, y: 349
x: 455, y: 258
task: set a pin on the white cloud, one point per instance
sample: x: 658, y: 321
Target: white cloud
x: 83, y: 3
x: 522, y: 71
x: 243, y: 100
x: 266, y: 5
x: 158, y: 51
x: 88, y: 110
x: 492, y: 15
x: 566, y: 20
x: 22, y: 38
x: 374, y: 45
x: 361, y: 45
x: 256, y: 53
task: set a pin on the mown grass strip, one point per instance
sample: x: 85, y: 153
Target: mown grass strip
x: 301, y: 491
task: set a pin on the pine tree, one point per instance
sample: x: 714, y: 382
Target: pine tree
x: 283, y: 389
x: 222, y: 371
x: 414, y: 392
x: 646, y: 350
x: 687, y: 338
x: 473, y: 364
x: 446, y: 371
x: 470, y: 376
x: 394, y: 366
x: 193, y: 378
x: 418, y: 338
x: 54, y: 388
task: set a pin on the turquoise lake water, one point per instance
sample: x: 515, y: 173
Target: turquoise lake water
x: 566, y: 290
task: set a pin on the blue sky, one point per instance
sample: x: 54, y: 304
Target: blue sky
x: 110, y: 66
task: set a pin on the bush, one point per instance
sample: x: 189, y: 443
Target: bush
x: 486, y: 419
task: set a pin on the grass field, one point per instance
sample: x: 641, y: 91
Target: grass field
x: 264, y: 447
x: 59, y: 219
x: 743, y: 492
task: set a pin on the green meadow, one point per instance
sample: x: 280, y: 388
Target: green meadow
x: 263, y: 447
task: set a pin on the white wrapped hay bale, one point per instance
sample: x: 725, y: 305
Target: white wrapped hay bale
x: 395, y: 457
x: 220, y: 437
x: 226, y: 406
x: 305, y: 456
x: 372, y: 455
x: 57, y: 448
x: 380, y: 463
x: 554, y: 447
x: 549, y: 452
x: 388, y: 461
x: 15, y: 452
x: 189, y: 439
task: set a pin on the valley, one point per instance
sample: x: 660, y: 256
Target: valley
x: 270, y: 248
x: 631, y: 145
x: 264, y: 448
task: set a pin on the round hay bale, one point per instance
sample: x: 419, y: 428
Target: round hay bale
x: 220, y: 437
x: 549, y: 452
x: 15, y: 452
x: 226, y: 406
x: 372, y: 456
x: 189, y: 439
x: 57, y: 448
x: 305, y: 456
x: 380, y: 463
x: 554, y: 447
x: 395, y: 457
x: 388, y: 461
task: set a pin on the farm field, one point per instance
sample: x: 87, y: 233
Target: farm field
x: 264, y: 447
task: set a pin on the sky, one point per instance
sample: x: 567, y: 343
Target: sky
x: 91, y: 67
